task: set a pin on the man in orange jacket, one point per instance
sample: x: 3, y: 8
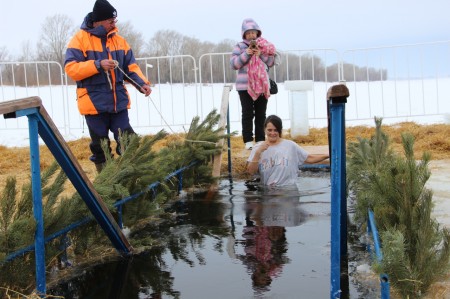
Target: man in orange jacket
x: 101, y: 61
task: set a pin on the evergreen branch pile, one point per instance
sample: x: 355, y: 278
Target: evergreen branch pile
x: 128, y: 174
x: 200, y: 144
x: 16, y: 217
x: 416, y: 249
x: 18, y: 224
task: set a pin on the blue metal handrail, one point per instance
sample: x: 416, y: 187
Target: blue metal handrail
x: 373, y: 232
x: 152, y: 187
x: 117, y: 204
x: 337, y: 97
x: 30, y: 248
x: 314, y: 166
x: 40, y: 124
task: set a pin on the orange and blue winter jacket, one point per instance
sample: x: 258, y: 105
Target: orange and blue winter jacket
x: 85, y: 51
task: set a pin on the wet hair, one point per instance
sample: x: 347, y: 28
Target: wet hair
x: 276, y: 122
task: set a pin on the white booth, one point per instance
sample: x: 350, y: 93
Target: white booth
x: 298, y: 112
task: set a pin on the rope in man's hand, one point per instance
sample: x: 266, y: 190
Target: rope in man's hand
x: 145, y: 89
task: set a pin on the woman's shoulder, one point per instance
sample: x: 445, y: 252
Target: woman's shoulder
x: 291, y: 144
x: 288, y: 142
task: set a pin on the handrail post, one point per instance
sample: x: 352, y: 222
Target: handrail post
x: 337, y: 97
x: 372, y: 230
x: 39, y: 242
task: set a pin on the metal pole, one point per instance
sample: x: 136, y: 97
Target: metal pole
x: 337, y: 97
x: 39, y: 241
x: 343, y: 183
x: 336, y: 191
x: 384, y: 278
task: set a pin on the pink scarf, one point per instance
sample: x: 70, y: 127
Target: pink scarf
x: 258, y: 79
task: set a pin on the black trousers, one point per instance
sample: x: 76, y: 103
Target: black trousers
x: 99, y: 126
x: 253, y: 110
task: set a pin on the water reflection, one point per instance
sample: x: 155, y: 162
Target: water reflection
x: 267, y: 212
x: 142, y: 276
x: 243, y: 243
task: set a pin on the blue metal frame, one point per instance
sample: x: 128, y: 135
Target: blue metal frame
x: 372, y: 231
x: 118, y: 204
x: 336, y: 130
x: 314, y: 166
x: 95, y: 205
x: 39, y: 242
x: 40, y: 124
x: 178, y: 173
x: 338, y: 196
x: 65, y: 230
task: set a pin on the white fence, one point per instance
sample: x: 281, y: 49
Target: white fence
x: 413, y: 86
x: 398, y: 83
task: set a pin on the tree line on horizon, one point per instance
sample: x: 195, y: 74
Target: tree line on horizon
x: 57, y: 30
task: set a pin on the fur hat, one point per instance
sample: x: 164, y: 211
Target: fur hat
x: 103, y: 10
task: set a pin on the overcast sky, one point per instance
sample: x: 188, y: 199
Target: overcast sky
x: 289, y: 24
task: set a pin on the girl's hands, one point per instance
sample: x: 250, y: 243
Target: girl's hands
x: 256, y: 52
x: 262, y: 147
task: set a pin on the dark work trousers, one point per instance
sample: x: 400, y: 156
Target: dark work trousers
x: 253, y: 109
x: 99, y: 126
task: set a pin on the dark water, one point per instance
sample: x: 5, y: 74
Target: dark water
x: 242, y: 243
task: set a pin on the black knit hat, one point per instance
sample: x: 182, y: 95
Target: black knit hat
x: 103, y: 10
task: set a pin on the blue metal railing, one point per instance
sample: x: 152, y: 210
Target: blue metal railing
x: 40, y: 124
x: 152, y: 187
x: 118, y: 205
x: 314, y: 166
x: 373, y: 232
x: 336, y: 109
x: 33, y: 125
x: 337, y: 98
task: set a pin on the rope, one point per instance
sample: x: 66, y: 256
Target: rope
x: 160, y: 114
x: 109, y: 79
x: 193, y: 141
x: 116, y: 66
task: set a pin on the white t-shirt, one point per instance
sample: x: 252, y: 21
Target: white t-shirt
x: 279, y: 164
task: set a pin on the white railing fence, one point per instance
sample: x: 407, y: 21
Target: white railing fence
x: 45, y: 79
x: 407, y: 82
x: 398, y: 83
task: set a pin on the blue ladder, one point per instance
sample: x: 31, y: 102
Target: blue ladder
x: 40, y: 123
